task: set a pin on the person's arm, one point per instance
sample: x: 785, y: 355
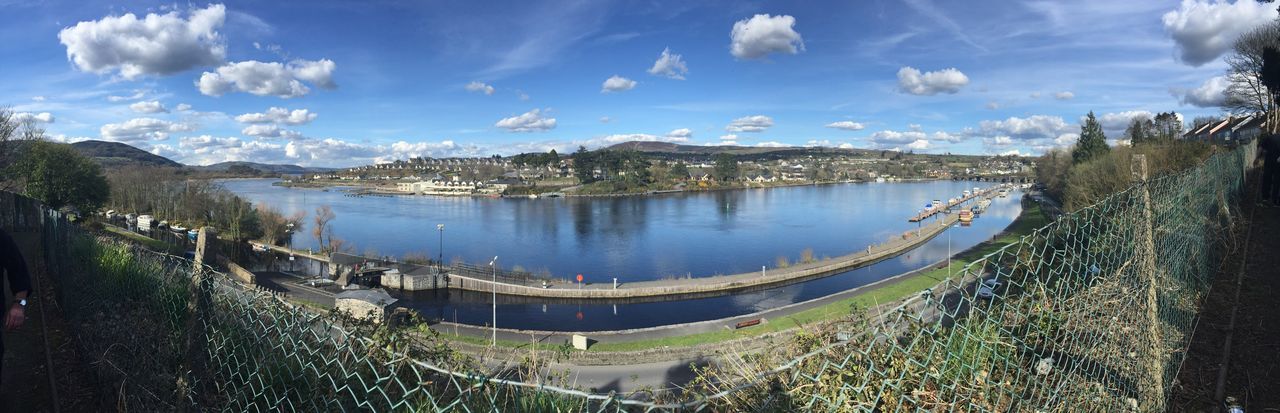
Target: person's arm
x: 19, y: 280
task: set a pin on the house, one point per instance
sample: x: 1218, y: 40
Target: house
x: 1248, y: 129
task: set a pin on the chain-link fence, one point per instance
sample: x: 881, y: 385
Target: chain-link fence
x: 1092, y: 312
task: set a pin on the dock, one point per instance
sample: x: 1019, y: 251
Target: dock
x: 935, y: 211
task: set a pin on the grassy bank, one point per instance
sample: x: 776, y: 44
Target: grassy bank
x: 151, y: 243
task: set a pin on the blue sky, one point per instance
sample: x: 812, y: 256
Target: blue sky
x: 331, y: 83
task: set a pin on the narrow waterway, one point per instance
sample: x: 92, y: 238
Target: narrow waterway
x: 641, y: 238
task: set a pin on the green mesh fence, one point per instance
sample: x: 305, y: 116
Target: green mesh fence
x: 1092, y: 312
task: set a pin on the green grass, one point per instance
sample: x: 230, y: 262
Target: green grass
x: 149, y: 242
x: 1030, y: 219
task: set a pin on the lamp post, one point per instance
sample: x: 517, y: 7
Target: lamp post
x: 494, y: 265
x: 440, y: 260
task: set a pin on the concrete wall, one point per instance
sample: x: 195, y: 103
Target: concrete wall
x: 241, y: 274
x: 361, y: 309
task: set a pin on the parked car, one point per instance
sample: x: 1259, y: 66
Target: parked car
x: 987, y: 290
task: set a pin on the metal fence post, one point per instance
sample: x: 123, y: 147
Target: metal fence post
x: 1152, y: 387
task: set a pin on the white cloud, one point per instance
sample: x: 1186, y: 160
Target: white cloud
x: 137, y: 94
x: 605, y: 119
x: 890, y: 136
x: 763, y: 34
x: 1204, y: 30
x: 846, y: 125
x: 729, y: 137
x: 617, y: 83
x: 635, y: 137
x: 1208, y: 95
x: 141, y: 130
x: 1066, y: 139
x: 670, y: 65
x: 269, y: 131
x: 1064, y: 95
x: 1114, y: 124
x: 918, y: 145
x: 1032, y: 127
x: 38, y: 98
x: 268, y: 78
x: 1011, y: 152
x: 148, y: 106
x: 755, y: 123
x: 157, y: 44
x: 772, y: 144
x: 947, y: 81
x: 1000, y: 141
x: 531, y: 121
x: 683, y: 134
x: 478, y: 86
x: 183, y: 107
x: 279, y: 116
x: 941, y: 136
x: 42, y: 117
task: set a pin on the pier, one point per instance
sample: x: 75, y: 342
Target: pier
x: 935, y: 210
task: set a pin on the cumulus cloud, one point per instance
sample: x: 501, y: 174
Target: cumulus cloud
x: 531, y: 121
x: 683, y: 134
x: 755, y: 123
x: 919, y: 145
x: 38, y: 98
x: 269, y: 131
x: 948, y: 81
x: 1114, y: 124
x: 157, y: 44
x: 21, y: 117
x: 617, y: 83
x: 637, y: 137
x: 772, y: 144
x: 1064, y: 95
x: 896, y: 137
x: 763, y: 34
x: 137, y: 94
x: 478, y: 86
x: 941, y: 136
x: 268, y: 78
x: 1208, y: 95
x: 279, y: 116
x: 142, y: 130
x: 670, y: 65
x: 729, y: 138
x: 846, y: 125
x: 182, y: 107
x: 1204, y: 30
x: 151, y: 106
x: 1032, y: 127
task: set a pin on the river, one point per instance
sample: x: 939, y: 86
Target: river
x: 640, y: 238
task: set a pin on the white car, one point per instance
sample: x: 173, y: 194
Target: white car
x: 988, y: 288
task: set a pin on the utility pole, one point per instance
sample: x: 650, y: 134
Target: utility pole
x: 494, y: 265
x: 440, y: 260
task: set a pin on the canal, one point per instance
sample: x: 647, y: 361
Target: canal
x: 640, y: 238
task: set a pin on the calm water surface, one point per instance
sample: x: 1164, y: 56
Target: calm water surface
x: 640, y: 238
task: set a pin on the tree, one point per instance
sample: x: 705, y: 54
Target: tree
x: 1140, y: 131
x: 1246, y: 90
x: 14, y: 134
x: 680, y: 171
x: 59, y: 176
x: 726, y: 168
x: 1167, y: 126
x: 1092, y: 143
x: 276, y: 226
x: 584, y: 165
x: 320, y: 230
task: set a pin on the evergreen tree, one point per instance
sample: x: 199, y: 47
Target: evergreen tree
x: 1140, y: 131
x: 1167, y: 127
x: 726, y: 167
x: 1092, y: 143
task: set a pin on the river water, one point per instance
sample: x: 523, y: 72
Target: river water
x: 640, y: 238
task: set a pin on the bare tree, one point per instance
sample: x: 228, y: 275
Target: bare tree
x: 14, y: 133
x: 1246, y: 92
x: 324, y: 214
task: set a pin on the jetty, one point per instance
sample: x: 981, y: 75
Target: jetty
x: 935, y: 210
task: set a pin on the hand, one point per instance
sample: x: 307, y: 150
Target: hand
x: 16, y: 316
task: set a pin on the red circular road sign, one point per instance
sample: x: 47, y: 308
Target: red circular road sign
x: 579, y: 277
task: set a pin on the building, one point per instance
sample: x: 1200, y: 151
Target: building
x: 371, y: 304
x: 421, y: 278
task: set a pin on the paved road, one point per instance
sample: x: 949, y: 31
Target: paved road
x: 292, y: 286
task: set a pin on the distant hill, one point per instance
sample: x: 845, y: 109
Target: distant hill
x: 116, y: 154
x: 263, y: 167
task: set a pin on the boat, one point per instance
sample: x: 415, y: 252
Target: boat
x: 983, y: 204
x: 966, y: 216
x: 1003, y: 193
x: 966, y: 193
x: 937, y: 203
x: 144, y: 222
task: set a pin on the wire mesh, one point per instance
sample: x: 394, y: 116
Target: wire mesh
x: 1092, y: 312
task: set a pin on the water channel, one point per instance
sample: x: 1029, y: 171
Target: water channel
x: 640, y: 238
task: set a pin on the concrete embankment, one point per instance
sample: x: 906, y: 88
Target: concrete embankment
x: 715, y: 285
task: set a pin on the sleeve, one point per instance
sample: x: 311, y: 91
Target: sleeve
x: 13, y: 263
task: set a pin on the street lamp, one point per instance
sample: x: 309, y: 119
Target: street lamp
x: 440, y: 260
x: 494, y: 265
